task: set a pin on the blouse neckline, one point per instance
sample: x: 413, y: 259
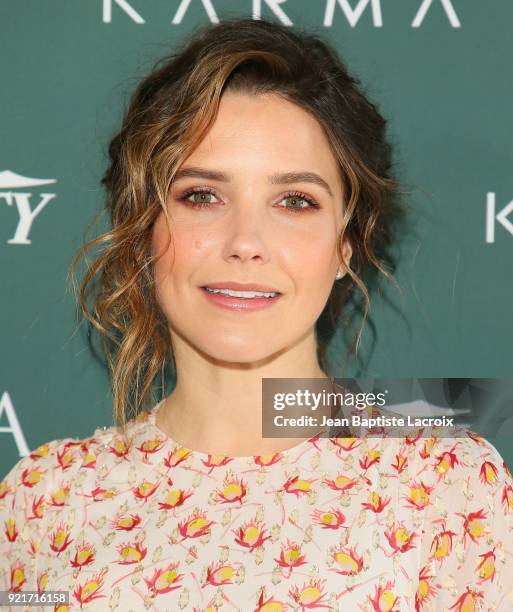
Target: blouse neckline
x: 288, y: 453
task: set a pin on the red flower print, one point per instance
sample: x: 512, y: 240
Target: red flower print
x: 164, y: 580
x: 216, y: 461
x: 234, y: 490
x: 486, y: 568
x: 384, y: 599
x: 400, y: 539
x: 66, y: 457
x: 150, y: 446
x: 40, y: 452
x: 310, y: 596
x: 418, y: 497
x: 347, y: 559
x: 269, y: 604
x: 445, y: 462
x: 90, y: 589
x: 18, y: 578
x: 219, y: 574
x: 401, y: 461
x: 250, y: 535
x: 425, y: 590
x: 59, y: 539
x: 126, y: 522
x: 370, y: 458
x: 290, y: 555
x: 376, y: 503
x: 469, y: 600
x: 195, y: 526
x: 174, y: 498
x: 473, y: 524
x: 145, y: 490
x: 100, y: 494
x: 131, y: 553
x: 266, y: 460
x: 442, y: 543
x: 176, y: 457
x: 507, y: 497
x: 427, y: 447
x: 345, y: 444
x: 331, y: 519
x: 84, y: 556
x: 488, y: 473
x: 298, y: 486
x: 341, y: 483
x: 11, y: 531
x: 60, y: 497
x: 31, y: 477
x: 118, y: 447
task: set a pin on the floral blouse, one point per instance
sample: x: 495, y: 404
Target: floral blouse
x: 356, y: 524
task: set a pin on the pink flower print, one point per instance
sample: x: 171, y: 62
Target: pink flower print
x: 145, y: 490
x: 131, y: 553
x: 384, y: 599
x: 488, y: 473
x: 290, y: 555
x: 59, y: 539
x: 298, y: 486
x: 176, y: 457
x: 400, y: 539
x: 90, y: 589
x: 195, y: 526
x: 469, y: 600
x: 332, y: 519
x: 473, y: 525
x: 220, y: 574
x: 126, y: 522
x: 18, y: 578
x: 347, y: 560
x: 118, y: 447
x: 164, y: 580
x: 310, y: 596
x: 418, y: 497
x: 150, y: 446
x: 341, y: 483
x: 376, y: 502
x: 234, y: 490
x: 251, y: 535
x: 84, y: 555
x: 425, y: 590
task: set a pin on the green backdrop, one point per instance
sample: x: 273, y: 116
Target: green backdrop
x: 440, y: 71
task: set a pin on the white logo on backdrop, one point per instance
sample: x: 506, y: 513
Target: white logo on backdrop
x: 10, y: 180
x: 351, y: 14
x: 14, y: 427
x: 492, y: 216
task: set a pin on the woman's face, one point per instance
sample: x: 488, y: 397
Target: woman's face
x: 258, y: 224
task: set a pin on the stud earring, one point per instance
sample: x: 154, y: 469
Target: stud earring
x: 339, y: 275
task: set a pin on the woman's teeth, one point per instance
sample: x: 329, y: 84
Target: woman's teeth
x: 241, y: 294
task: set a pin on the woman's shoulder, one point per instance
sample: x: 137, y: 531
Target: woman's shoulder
x: 54, y: 462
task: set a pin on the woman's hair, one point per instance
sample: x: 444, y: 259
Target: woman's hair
x: 168, y: 115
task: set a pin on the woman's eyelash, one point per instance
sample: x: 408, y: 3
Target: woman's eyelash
x: 291, y: 194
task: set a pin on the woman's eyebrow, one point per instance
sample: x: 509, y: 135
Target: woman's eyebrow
x: 283, y: 178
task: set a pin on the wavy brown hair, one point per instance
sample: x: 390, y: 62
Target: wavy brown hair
x: 169, y: 113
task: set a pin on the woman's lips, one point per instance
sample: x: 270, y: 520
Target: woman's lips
x: 241, y: 304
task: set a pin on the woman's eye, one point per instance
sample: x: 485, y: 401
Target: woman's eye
x: 204, y: 198
x: 200, y: 198
x: 299, y: 202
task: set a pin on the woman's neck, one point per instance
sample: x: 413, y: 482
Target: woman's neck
x: 218, y: 409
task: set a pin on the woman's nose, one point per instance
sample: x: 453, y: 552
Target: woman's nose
x: 245, y: 234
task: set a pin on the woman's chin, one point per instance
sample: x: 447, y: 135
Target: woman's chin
x: 250, y: 352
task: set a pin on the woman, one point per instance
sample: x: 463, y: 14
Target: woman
x: 249, y: 161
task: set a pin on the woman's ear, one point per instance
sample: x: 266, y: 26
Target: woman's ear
x: 347, y: 253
